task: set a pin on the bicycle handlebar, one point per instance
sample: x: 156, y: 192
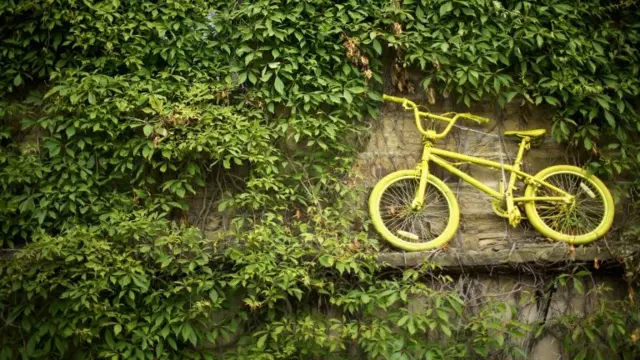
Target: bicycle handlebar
x: 408, y: 105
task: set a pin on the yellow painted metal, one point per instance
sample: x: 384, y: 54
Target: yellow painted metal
x: 404, y: 242
x: 495, y: 165
x: 526, y: 133
x: 601, y: 192
x: 512, y: 211
x: 466, y: 177
x: 430, y: 134
x: 564, y: 199
x: 424, y: 173
x: 534, y: 182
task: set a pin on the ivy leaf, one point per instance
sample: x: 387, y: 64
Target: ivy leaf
x: 279, y: 85
x: 71, y: 130
x: 346, y: 69
x: 31, y: 345
x: 53, y: 146
x: 17, y: 80
x: 186, y: 331
x: 445, y: 329
x: 261, y: 341
x: 377, y: 47
x: 248, y: 58
x: 365, y: 299
x: 242, y: 77
x: 445, y: 8
x: 610, y: 119
x: 411, y: 327
x: 603, y: 102
x: 109, y: 338
x: 147, y: 130
x: 266, y: 76
x: 374, y: 96
x: 91, y: 98
x: 403, y: 320
x: 552, y: 100
x: 581, y: 355
x: 347, y: 96
x: 327, y: 260
x: 117, y: 328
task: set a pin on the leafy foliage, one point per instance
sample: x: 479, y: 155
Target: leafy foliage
x: 113, y: 113
x: 137, y: 287
x: 611, y: 327
x: 581, y: 59
x: 130, y: 288
x: 131, y: 118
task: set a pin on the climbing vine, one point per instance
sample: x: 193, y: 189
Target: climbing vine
x: 113, y: 114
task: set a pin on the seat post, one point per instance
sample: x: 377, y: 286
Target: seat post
x: 524, y: 145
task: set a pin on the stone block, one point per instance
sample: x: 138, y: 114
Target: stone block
x: 547, y: 348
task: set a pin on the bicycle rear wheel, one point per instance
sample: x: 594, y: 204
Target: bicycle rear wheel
x: 429, y: 227
x: 585, y: 220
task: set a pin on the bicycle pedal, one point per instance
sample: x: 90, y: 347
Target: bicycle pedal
x: 408, y: 235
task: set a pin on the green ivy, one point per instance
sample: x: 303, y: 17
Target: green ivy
x: 113, y: 114
x: 138, y: 287
x: 610, y: 327
x: 130, y: 288
x: 119, y: 101
x: 580, y: 59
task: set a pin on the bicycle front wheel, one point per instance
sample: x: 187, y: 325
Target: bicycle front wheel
x: 428, y: 227
x: 586, y: 219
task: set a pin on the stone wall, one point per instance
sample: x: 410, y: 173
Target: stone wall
x: 396, y: 144
x: 533, y: 301
x: 485, y: 244
x: 484, y: 241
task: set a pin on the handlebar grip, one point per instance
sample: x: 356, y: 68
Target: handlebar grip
x: 399, y: 100
x: 392, y: 98
x: 476, y: 118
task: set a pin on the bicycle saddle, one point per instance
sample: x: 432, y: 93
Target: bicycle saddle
x: 536, y: 135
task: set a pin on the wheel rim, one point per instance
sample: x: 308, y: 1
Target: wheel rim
x: 416, y: 226
x: 581, y: 217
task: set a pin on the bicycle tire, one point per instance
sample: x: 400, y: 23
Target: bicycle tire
x: 588, y: 220
x: 385, y: 218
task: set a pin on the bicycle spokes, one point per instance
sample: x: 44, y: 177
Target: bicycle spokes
x: 418, y: 224
x: 578, y: 217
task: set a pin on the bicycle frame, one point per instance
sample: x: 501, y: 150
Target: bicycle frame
x: 556, y: 205
x: 435, y: 155
x: 432, y: 154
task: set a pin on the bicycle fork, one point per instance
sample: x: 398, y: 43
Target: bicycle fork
x: 418, y: 200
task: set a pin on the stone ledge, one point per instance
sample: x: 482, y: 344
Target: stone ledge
x: 555, y: 256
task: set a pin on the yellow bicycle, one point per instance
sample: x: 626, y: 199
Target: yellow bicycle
x: 414, y: 210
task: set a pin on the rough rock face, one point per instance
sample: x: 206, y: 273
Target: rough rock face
x: 485, y: 242
x: 527, y: 299
x: 483, y: 237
